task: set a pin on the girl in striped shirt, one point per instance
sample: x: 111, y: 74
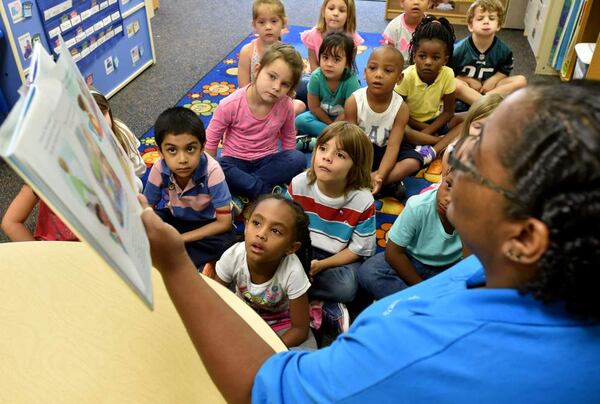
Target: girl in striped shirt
x: 335, y: 195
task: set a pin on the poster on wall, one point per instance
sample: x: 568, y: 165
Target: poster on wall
x: 109, y: 66
x: 27, y: 6
x: 16, y: 11
x: 135, y: 54
x: 35, y: 39
x: 25, y: 45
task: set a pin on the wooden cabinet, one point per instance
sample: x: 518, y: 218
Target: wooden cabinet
x: 541, y: 21
x: 536, y: 27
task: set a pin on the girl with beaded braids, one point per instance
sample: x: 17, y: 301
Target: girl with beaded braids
x: 518, y: 321
x: 428, y: 86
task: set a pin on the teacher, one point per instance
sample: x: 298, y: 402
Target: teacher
x: 519, y: 321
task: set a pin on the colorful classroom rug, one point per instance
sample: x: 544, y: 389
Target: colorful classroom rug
x: 221, y: 81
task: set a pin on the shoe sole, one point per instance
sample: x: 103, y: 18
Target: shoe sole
x: 345, y: 319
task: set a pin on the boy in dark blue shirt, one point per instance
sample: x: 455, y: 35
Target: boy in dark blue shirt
x: 482, y: 62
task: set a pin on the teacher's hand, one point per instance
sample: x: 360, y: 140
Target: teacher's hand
x: 166, y: 244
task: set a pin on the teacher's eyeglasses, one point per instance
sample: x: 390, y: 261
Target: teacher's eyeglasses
x: 459, y: 159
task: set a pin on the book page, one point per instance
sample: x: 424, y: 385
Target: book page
x: 63, y: 146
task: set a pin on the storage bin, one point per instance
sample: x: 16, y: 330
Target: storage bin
x: 584, y: 52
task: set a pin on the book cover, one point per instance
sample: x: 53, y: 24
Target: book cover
x: 560, y: 31
x: 58, y: 141
x: 570, y: 27
x: 568, y: 65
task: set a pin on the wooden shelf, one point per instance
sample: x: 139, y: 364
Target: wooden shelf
x: 393, y: 8
x: 588, y: 30
x: 593, y: 72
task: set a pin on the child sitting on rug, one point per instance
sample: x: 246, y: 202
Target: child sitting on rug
x: 335, y: 193
x: 428, y: 87
x: 330, y: 85
x: 252, y: 121
x: 482, y: 62
x: 48, y: 226
x: 267, y: 273
x: 268, y: 21
x: 335, y: 16
x: 127, y: 140
x: 399, y: 31
x: 421, y: 244
x: 193, y: 186
x: 379, y: 111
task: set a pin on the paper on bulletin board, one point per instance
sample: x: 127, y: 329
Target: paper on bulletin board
x: 85, y: 25
x: 16, y: 11
x: 58, y: 9
x: 25, y: 45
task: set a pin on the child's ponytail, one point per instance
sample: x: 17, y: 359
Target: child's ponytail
x: 304, y: 253
x: 121, y: 131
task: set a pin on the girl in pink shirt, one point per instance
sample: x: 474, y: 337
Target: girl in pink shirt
x: 335, y: 16
x: 268, y: 21
x: 253, y: 120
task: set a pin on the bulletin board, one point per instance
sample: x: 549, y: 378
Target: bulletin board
x: 85, y: 25
x: 110, y: 40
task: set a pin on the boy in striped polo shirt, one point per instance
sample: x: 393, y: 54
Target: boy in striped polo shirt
x: 187, y: 186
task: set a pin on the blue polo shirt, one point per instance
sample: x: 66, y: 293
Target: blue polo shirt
x: 444, y: 340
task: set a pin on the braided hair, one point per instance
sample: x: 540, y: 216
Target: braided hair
x: 301, y: 230
x: 432, y: 27
x: 555, y: 168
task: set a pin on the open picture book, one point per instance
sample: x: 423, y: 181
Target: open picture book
x: 58, y: 141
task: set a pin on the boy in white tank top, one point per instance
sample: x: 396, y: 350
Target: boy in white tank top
x: 383, y: 115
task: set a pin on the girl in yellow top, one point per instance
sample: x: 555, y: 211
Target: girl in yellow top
x: 429, y: 84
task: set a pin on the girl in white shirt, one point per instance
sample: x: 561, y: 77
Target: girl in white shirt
x: 267, y: 273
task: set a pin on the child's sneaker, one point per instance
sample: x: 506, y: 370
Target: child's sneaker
x: 460, y: 106
x: 237, y: 205
x: 398, y: 191
x: 427, y: 152
x: 315, y: 313
x: 337, y: 315
x: 279, y: 189
x: 305, y: 143
x: 395, y: 190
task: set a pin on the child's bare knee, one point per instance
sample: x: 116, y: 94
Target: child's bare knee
x: 520, y: 81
